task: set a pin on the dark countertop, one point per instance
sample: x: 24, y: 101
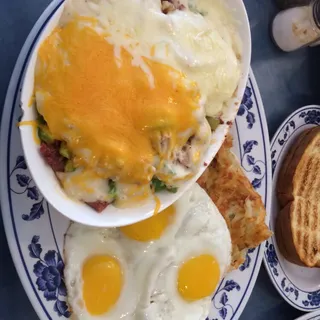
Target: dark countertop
x: 286, y: 82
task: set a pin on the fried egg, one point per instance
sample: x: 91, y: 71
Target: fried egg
x: 165, y: 267
x: 99, y: 279
x: 182, y: 280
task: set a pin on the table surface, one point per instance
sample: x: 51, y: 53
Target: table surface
x: 286, y: 82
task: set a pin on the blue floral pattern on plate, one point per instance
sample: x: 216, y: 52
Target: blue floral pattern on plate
x: 220, y: 299
x: 311, y: 116
x: 35, y: 231
x: 283, y: 278
x: 252, y: 165
x: 313, y: 299
x: 247, y: 261
x: 50, y: 278
x: 272, y: 257
x: 26, y: 186
x: 246, y: 106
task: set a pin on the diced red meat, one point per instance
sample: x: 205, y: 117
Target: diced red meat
x: 171, y: 5
x: 184, y: 157
x: 99, y: 206
x: 50, y: 153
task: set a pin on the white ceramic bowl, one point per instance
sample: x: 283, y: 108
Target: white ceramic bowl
x: 48, y: 183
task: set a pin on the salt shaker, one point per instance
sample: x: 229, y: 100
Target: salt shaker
x: 297, y: 27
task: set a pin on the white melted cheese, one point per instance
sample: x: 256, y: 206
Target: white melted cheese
x: 201, y: 41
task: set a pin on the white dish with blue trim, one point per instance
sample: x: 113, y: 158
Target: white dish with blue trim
x: 310, y: 316
x: 35, y: 231
x: 299, y: 286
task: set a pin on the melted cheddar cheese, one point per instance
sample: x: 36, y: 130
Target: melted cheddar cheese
x: 111, y: 108
x: 34, y: 126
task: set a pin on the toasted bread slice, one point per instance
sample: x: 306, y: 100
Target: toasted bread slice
x: 298, y: 192
x: 238, y: 202
x: 298, y: 174
x: 298, y: 232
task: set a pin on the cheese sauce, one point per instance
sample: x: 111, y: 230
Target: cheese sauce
x: 34, y: 125
x: 112, y: 111
x: 128, y: 87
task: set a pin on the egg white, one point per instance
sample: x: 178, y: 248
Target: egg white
x: 82, y: 242
x: 151, y: 268
x: 202, y: 231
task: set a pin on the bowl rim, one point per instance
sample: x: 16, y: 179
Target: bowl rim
x: 112, y: 216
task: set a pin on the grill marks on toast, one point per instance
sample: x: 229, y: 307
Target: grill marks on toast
x: 306, y: 178
x: 283, y: 188
x: 305, y: 234
x: 298, y: 191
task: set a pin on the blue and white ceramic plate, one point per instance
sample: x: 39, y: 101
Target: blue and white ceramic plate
x: 310, y: 316
x: 299, y: 286
x: 35, y: 231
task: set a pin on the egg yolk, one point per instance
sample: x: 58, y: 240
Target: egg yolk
x: 151, y: 228
x: 102, y: 283
x: 198, y: 277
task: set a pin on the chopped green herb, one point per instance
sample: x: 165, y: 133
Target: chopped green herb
x: 112, y: 188
x: 45, y: 135
x: 172, y: 189
x: 158, y: 185
x: 213, y: 122
x: 41, y: 120
x: 64, y: 151
x: 69, y: 167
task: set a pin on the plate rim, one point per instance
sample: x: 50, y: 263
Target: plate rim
x: 7, y: 213
x: 315, y: 315
x: 271, y: 240
x: 11, y: 234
